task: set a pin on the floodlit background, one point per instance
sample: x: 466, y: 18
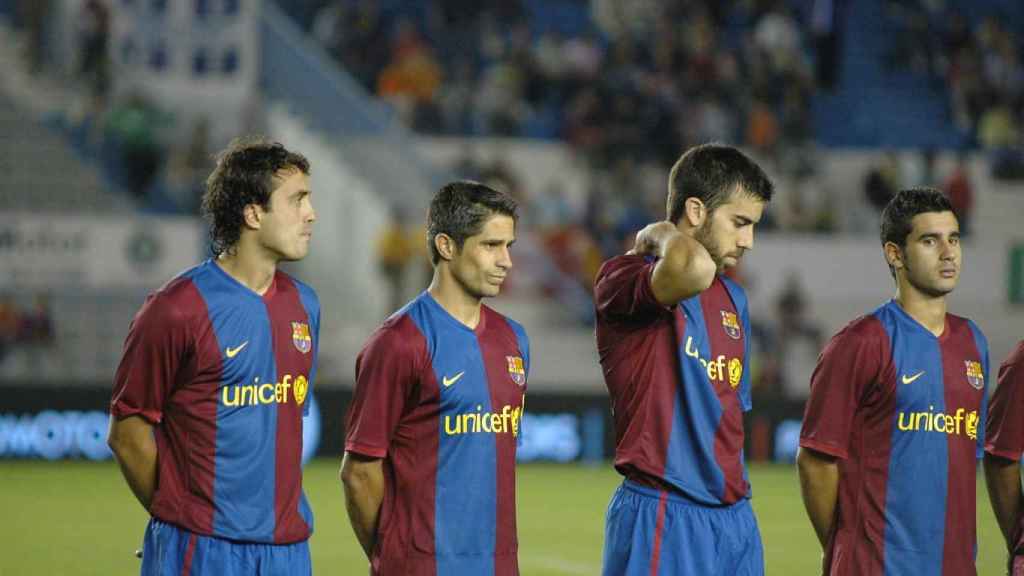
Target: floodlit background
x: 111, y: 110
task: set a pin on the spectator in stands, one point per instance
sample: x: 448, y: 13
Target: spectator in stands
x: 961, y: 194
x: 882, y: 181
x: 36, y: 15
x: 134, y: 128
x: 93, y: 41
x: 412, y: 76
x: 799, y: 339
x: 35, y: 327
x: 395, y: 252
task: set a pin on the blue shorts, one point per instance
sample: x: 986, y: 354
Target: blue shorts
x: 172, y: 551
x: 650, y: 532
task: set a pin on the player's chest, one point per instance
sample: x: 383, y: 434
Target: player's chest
x: 711, y: 343
x: 927, y: 379
x: 257, y: 356
x: 475, y: 376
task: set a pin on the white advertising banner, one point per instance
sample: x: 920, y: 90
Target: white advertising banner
x: 56, y: 252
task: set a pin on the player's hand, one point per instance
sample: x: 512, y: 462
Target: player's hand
x: 649, y: 240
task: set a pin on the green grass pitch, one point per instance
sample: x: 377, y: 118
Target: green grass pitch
x: 80, y: 518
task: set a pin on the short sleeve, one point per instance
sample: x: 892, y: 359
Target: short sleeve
x: 1004, y: 430
x: 387, y: 372
x: 848, y: 367
x: 623, y: 288
x: 158, y: 339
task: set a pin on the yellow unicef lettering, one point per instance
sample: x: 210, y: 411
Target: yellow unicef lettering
x: 234, y: 399
x: 918, y: 416
x: 939, y: 422
x: 264, y: 389
x: 516, y: 415
x: 959, y: 418
x: 496, y: 423
x: 506, y: 415
x: 448, y: 428
x: 278, y: 393
x: 909, y: 425
x: 690, y: 349
x: 949, y: 424
x: 246, y: 395
x: 485, y: 423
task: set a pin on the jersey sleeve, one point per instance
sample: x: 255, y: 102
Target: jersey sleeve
x: 158, y: 339
x: 623, y: 288
x: 387, y: 372
x: 1004, y: 429
x: 848, y: 367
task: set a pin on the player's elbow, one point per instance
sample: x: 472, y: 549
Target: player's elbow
x: 812, y: 464
x: 128, y: 436
x: 358, y: 475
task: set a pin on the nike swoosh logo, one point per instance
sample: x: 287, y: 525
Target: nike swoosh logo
x: 909, y: 379
x: 449, y: 381
x: 232, y: 352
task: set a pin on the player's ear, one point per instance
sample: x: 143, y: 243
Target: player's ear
x: 252, y: 215
x: 694, y: 211
x: 893, y: 255
x: 445, y: 245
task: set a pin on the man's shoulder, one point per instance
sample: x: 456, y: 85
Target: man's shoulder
x: 623, y: 261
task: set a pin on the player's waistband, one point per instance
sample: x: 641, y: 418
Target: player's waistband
x: 677, y: 497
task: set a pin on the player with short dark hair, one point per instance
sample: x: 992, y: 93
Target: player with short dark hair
x: 206, y: 416
x: 889, y: 444
x: 429, y: 466
x: 672, y: 336
x: 1004, y: 444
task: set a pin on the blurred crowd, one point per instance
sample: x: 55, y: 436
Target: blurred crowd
x: 977, y: 61
x: 643, y: 79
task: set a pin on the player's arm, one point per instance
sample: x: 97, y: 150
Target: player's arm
x: 819, y: 488
x: 362, y: 479
x: 157, y: 339
x: 1004, y: 492
x: 131, y: 440
x: 684, y: 268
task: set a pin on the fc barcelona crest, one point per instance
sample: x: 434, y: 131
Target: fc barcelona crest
x: 975, y: 375
x: 516, y: 370
x: 301, y: 337
x: 731, y: 325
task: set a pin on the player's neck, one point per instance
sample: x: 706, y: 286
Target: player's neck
x: 929, y: 311
x: 250, y: 268
x: 455, y: 300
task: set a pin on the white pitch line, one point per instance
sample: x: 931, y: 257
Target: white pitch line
x: 566, y: 567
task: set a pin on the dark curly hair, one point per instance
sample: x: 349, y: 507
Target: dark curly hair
x: 710, y: 173
x: 461, y: 208
x: 244, y: 175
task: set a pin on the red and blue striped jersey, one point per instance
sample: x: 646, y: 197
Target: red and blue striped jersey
x: 223, y: 373
x: 901, y: 410
x: 679, y: 381
x: 442, y: 404
x: 1004, y: 431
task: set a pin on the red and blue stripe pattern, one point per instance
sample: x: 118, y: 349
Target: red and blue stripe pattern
x: 450, y: 502
x: 227, y: 386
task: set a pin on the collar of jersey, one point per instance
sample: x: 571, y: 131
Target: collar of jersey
x: 429, y: 300
x: 245, y: 289
x: 917, y: 325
